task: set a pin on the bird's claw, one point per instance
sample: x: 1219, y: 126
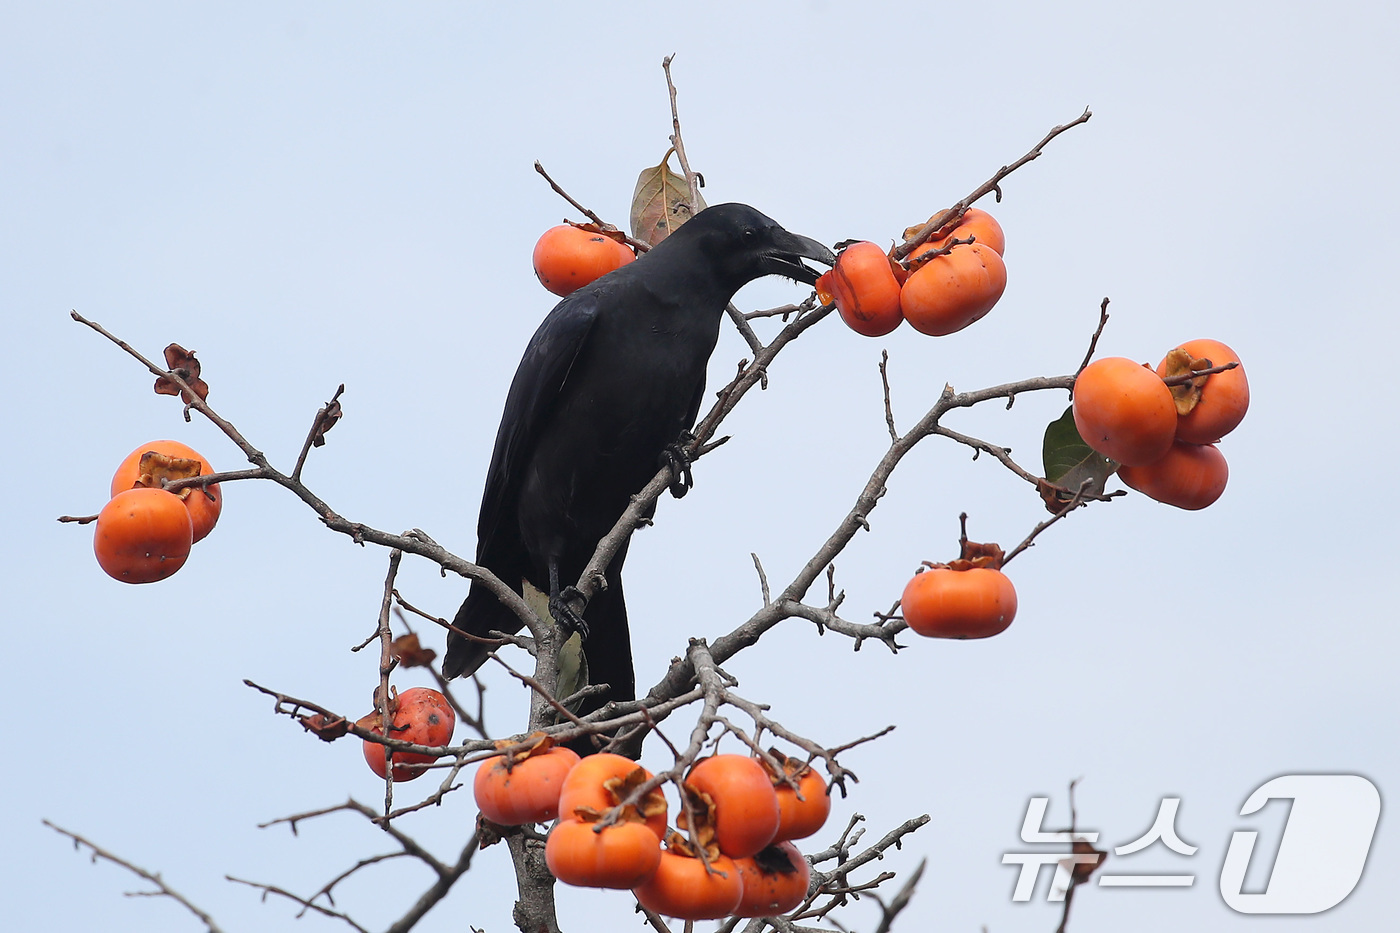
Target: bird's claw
x: 675, y: 457
x: 561, y: 606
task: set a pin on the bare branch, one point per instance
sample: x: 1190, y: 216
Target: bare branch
x: 162, y: 889
x: 992, y: 184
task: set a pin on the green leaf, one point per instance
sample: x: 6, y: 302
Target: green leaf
x: 1069, y: 461
x: 661, y: 202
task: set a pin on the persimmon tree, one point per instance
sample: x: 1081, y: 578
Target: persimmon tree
x: 693, y: 703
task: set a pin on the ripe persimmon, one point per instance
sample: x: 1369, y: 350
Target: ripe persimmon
x: 866, y: 292
x: 945, y: 603
x: 682, y: 887
x: 143, y: 535
x: 949, y: 292
x: 775, y: 881
x: 1189, y: 476
x: 567, y: 257
x: 148, y: 464
x: 1209, y: 406
x: 1124, y: 411
x: 976, y: 224
x: 600, y: 782
x: 422, y: 716
x: 800, y: 818
x: 622, y: 855
x: 746, y: 812
x: 525, y: 790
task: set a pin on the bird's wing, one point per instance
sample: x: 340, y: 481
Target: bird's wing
x: 537, y: 384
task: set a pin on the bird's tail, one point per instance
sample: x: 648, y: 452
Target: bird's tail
x: 481, y: 612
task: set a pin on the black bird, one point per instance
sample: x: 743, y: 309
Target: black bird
x: 606, y: 387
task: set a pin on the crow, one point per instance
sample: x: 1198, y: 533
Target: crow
x: 608, y: 386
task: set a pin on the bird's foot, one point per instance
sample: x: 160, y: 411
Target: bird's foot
x: 675, y: 457
x: 561, y: 607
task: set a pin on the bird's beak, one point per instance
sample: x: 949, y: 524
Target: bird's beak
x: 787, y: 254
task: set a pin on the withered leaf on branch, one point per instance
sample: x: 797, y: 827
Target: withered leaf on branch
x: 326, y: 420
x: 1082, y: 870
x: 490, y: 833
x: 661, y: 202
x: 182, y: 363
x: 325, y: 729
x: 410, y: 653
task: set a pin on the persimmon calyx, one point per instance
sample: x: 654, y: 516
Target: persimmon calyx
x: 678, y: 844
x: 156, y: 469
x: 974, y: 555
x: 794, y: 769
x: 618, y: 789
x: 701, y: 806
x: 514, y: 752
x: 1180, y: 362
x: 948, y: 226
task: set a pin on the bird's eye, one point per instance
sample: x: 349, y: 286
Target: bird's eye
x: 749, y: 236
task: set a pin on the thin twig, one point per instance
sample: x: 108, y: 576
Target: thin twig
x: 162, y: 889
x: 992, y: 184
x: 1094, y: 340
x: 885, y: 382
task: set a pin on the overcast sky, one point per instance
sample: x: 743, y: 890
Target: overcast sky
x: 311, y: 194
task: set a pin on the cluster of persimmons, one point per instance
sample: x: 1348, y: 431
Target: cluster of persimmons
x: 1162, y: 425
x: 742, y: 815
x: 946, y: 283
x: 145, y: 531
x: 738, y: 860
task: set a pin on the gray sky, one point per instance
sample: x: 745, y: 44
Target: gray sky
x: 309, y: 195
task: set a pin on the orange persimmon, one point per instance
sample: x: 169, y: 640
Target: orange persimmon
x: 148, y: 464
x: 1189, y: 476
x: 567, y: 258
x: 1124, y: 411
x: 143, y: 535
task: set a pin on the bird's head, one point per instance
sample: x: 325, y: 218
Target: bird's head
x: 744, y: 244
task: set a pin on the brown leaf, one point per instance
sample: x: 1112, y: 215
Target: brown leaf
x: 661, y: 202
x: 182, y: 363
x: 1082, y: 870
x: 490, y: 833
x: 327, y: 419
x: 410, y: 653
x: 325, y: 729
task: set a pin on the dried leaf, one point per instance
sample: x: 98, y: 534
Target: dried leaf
x: 182, y: 363
x: 326, y: 420
x: 491, y: 833
x: 1082, y: 870
x: 409, y: 652
x: 325, y: 729
x: 661, y: 202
